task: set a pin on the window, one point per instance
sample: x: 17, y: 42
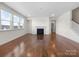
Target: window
x: 21, y: 23
x: 10, y: 20
x: 5, y: 20
x: 16, y: 22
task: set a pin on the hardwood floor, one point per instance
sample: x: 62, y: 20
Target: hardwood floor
x: 40, y: 46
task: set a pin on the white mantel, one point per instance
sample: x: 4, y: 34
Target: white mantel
x: 40, y: 22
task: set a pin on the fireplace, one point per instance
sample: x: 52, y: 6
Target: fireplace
x: 40, y: 31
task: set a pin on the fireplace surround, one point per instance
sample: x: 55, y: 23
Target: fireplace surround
x: 40, y: 30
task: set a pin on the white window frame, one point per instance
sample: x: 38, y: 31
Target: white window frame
x: 20, y: 23
x: 15, y: 22
x: 5, y: 20
x: 11, y: 21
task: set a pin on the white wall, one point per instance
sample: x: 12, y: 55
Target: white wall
x: 6, y: 36
x: 64, y: 27
x: 63, y: 23
x: 29, y: 26
x: 40, y: 22
x: 75, y: 27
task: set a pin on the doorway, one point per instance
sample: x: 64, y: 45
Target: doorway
x: 53, y: 26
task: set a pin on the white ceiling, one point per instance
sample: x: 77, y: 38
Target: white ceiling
x: 42, y: 9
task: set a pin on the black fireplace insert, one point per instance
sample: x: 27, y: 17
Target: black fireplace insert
x: 40, y: 31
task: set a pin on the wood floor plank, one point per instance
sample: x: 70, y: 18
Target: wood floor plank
x: 40, y: 46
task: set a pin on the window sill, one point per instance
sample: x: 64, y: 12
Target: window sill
x: 10, y: 30
x: 17, y: 29
x: 6, y: 30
